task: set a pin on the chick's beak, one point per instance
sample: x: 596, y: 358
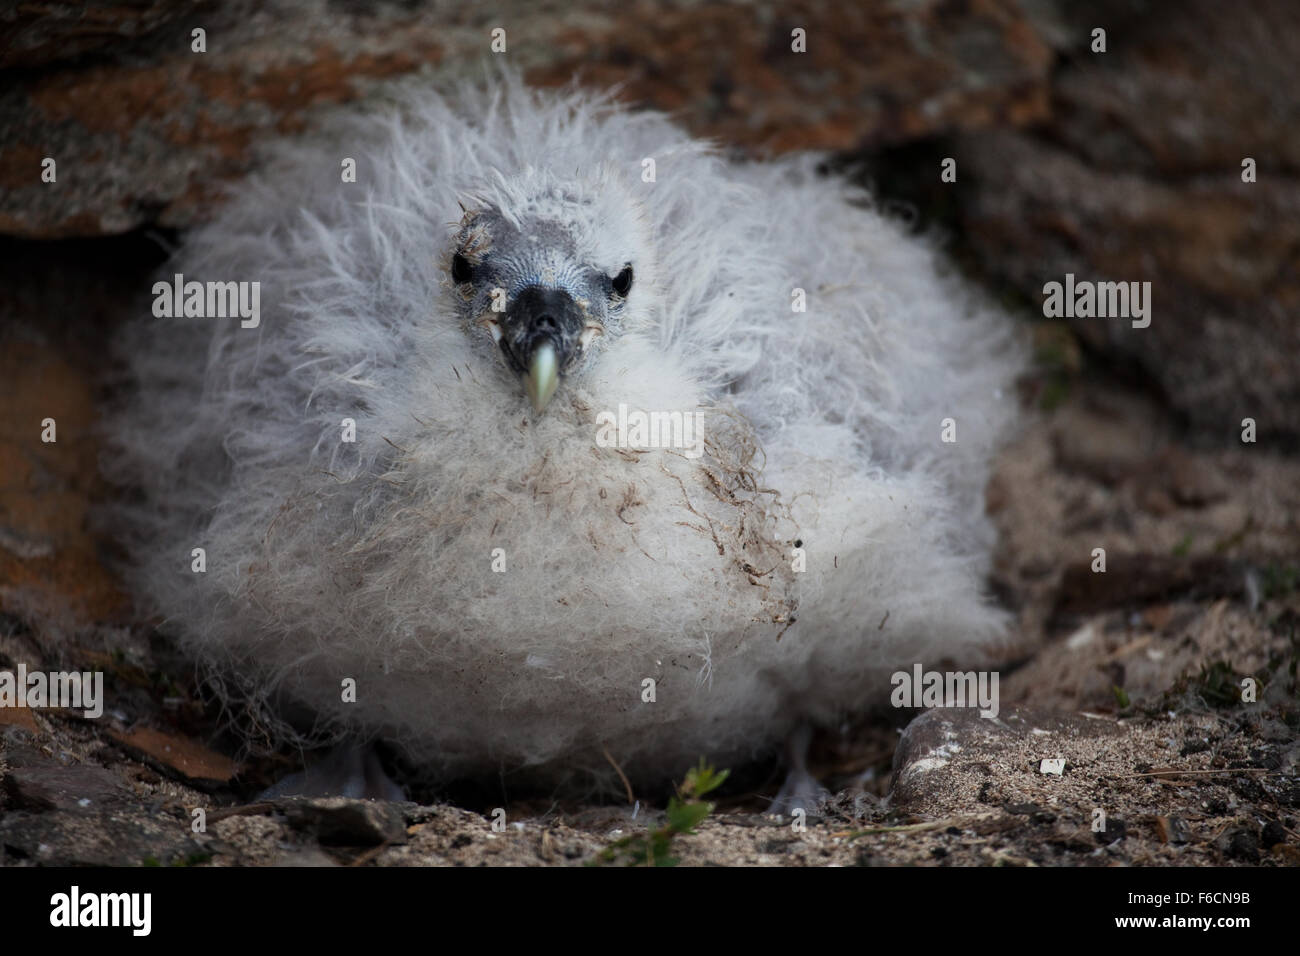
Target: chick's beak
x: 542, y: 376
x: 541, y: 337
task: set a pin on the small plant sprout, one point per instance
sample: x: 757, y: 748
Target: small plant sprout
x: 686, y: 811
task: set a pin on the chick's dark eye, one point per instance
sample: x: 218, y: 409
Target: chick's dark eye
x: 623, y: 281
x: 461, y: 270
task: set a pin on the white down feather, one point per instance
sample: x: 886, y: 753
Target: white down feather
x: 373, y: 560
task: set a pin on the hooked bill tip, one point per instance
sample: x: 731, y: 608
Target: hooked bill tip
x: 542, y: 376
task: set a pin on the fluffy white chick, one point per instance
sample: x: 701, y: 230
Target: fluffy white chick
x: 499, y: 578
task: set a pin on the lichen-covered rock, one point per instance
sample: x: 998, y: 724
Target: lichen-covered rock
x: 145, y: 132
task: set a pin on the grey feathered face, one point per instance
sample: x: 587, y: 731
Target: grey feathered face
x: 541, y: 286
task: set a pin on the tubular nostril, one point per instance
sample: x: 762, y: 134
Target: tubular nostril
x: 546, y: 323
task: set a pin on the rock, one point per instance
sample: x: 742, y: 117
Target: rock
x: 146, y: 132
x: 950, y: 759
x: 1141, y: 578
x: 132, y: 837
x: 37, y: 34
x: 182, y: 754
x: 49, y: 559
x: 147, y: 138
x: 1137, y: 177
x: 1272, y: 834
x: 338, y: 821
x: 872, y: 73
x: 36, y: 782
x: 1180, y: 93
x: 1240, y: 844
x: 1216, y: 251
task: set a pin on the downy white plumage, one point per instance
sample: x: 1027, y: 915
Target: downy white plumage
x: 748, y: 584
